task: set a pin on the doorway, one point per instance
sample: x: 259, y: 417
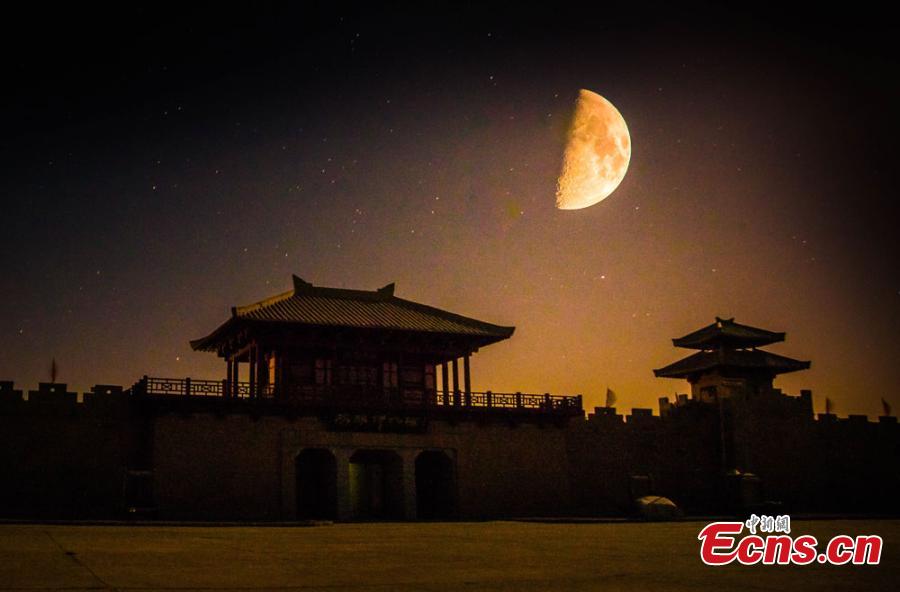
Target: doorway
x: 435, y: 486
x: 376, y: 485
x: 316, y: 470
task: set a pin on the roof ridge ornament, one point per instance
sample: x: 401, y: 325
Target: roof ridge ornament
x: 387, y: 291
x: 727, y: 332
x: 300, y: 285
x: 720, y: 321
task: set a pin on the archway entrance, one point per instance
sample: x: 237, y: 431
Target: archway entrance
x: 376, y: 485
x: 435, y: 486
x: 316, y: 485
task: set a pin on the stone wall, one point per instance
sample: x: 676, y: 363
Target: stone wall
x: 235, y: 466
x: 61, y: 458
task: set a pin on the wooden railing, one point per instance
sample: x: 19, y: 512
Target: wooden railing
x: 149, y: 385
x: 369, y: 397
x: 492, y: 400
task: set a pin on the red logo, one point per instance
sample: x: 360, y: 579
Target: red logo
x: 721, y: 544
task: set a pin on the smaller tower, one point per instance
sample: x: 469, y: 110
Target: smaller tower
x: 728, y: 361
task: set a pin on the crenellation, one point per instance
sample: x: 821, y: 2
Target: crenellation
x: 641, y: 417
x: 8, y: 391
x: 11, y: 400
x: 53, y: 394
x: 605, y: 415
x: 106, y: 390
x: 664, y: 406
x: 106, y: 399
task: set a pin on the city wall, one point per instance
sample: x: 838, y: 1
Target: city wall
x: 108, y: 454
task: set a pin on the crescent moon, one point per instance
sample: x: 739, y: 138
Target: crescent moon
x: 597, y: 153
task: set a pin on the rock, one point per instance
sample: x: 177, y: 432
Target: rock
x: 655, y: 507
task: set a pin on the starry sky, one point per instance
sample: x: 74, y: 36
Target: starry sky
x: 163, y: 164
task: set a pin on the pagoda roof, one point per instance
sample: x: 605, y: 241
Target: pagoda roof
x: 308, y: 305
x: 728, y: 333
x: 744, y: 359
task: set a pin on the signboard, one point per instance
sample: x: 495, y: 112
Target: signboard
x: 376, y: 422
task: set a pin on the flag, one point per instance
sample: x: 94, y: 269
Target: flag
x: 610, y: 397
x: 53, y: 370
x: 886, y: 407
x: 828, y: 405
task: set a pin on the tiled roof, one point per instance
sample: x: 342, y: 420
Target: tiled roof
x: 727, y: 332
x: 380, y: 309
x: 744, y: 359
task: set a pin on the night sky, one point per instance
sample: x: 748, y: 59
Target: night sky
x: 163, y: 164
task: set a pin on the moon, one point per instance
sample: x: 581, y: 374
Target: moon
x: 597, y: 153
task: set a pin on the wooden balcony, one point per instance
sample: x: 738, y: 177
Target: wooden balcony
x: 367, y: 399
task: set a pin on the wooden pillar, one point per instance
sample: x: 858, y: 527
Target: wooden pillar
x: 467, y: 378
x: 455, y: 381
x: 262, y: 369
x: 226, y: 390
x: 235, y: 388
x: 257, y: 372
x: 251, y: 370
x: 257, y: 359
x: 445, y: 382
x: 231, y: 377
x: 279, y: 385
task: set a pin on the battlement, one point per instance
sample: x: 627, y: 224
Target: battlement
x: 607, y: 417
x: 49, y: 397
x: 56, y: 399
x: 831, y: 419
x: 802, y: 404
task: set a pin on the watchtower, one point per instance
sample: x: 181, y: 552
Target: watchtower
x: 729, y: 362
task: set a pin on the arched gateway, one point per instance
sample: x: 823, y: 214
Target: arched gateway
x: 376, y: 485
x: 316, y: 471
x: 435, y: 486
